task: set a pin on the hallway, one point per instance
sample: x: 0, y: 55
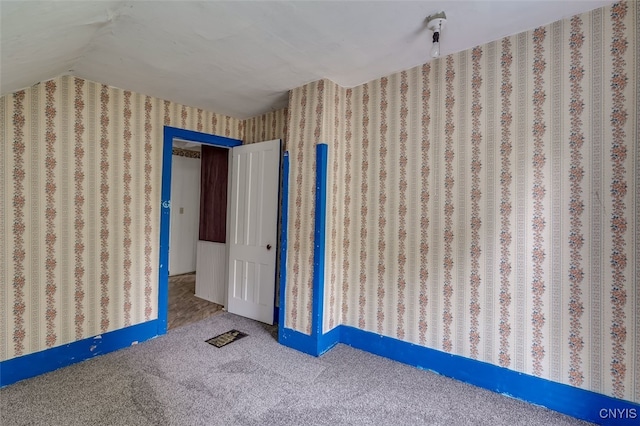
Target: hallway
x: 184, y: 307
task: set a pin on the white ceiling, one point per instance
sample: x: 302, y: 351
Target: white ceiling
x: 240, y: 58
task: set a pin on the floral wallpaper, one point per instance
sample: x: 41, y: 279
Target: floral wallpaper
x: 486, y: 203
x: 80, y: 178
x: 187, y: 153
x: 272, y: 125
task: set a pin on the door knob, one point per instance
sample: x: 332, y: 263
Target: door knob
x: 268, y: 246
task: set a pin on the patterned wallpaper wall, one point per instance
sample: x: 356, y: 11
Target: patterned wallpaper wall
x: 485, y: 204
x: 188, y: 153
x: 308, y: 125
x: 272, y: 125
x: 80, y: 168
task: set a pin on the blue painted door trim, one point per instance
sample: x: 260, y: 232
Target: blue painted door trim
x: 165, y: 206
x: 284, y: 221
x: 320, y: 243
x: 317, y: 342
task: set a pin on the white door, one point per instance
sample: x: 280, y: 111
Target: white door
x: 253, y: 223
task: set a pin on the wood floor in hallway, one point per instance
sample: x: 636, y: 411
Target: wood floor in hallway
x: 184, y: 307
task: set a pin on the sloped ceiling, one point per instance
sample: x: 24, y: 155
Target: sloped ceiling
x: 240, y: 58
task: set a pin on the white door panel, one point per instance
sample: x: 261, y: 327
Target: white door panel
x: 253, y: 215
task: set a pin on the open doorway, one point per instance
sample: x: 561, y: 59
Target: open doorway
x: 172, y: 134
x: 198, y: 221
x: 184, y: 306
x: 252, y: 211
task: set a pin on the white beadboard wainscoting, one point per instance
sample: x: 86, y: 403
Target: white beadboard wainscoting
x: 211, y: 264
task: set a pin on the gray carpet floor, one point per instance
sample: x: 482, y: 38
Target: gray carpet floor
x: 178, y: 379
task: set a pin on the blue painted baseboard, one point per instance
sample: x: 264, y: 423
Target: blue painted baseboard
x: 296, y: 340
x: 306, y: 343
x: 328, y: 340
x: 576, y: 402
x: 31, y: 365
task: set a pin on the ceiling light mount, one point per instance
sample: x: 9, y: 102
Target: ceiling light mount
x: 435, y: 23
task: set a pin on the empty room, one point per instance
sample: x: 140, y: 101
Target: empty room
x: 320, y: 212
